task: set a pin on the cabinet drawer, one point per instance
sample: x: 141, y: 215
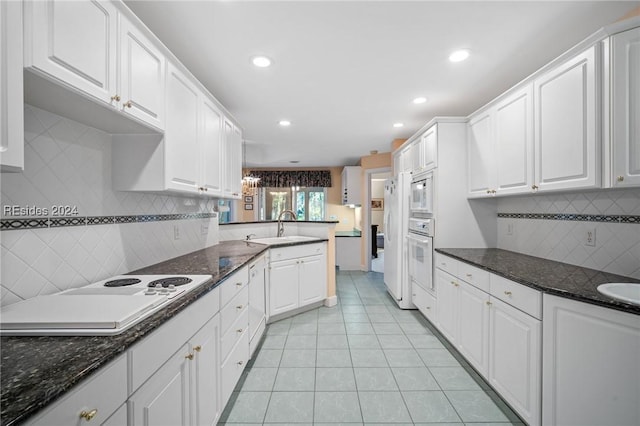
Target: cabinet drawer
x: 293, y: 252
x: 233, y: 285
x: 234, y: 333
x: 104, y: 392
x: 517, y: 295
x: 234, y: 309
x: 475, y: 276
x: 425, y: 302
x: 446, y: 264
x: 234, y: 365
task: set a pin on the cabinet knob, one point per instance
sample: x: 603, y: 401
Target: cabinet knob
x: 620, y: 178
x: 128, y: 104
x: 428, y: 307
x: 239, y: 330
x: 197, y: 348
x: 534, y: 187
x: 469, y: 275
x: 508, y: 293
x: 488, y: 303
x: 493, y: 192
x: 115, y: 98
x: 488, y: 191
x: 239, y: 284
x: 240, y: 362
x: 239, y: 307
x: 88, y: 415
x: 189, y: 356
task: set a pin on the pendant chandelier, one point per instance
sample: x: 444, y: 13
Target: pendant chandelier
x: 249, y: 182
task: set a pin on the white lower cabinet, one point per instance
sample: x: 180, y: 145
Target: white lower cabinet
x: 257, y: 302
x: 494, y: 323
x: 591, y: 365
x: 424, y: 301
x: 205, y: 378
x: 298, y: 278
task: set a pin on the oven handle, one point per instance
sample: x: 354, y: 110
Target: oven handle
x: 420, y: 240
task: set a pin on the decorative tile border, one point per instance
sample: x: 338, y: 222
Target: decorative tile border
x: 10, y: 224
x: 573, y: 217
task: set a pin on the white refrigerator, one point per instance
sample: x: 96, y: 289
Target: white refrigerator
x: 396, y: 222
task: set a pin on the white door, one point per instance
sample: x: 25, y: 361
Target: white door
x: 447, y: 312
x: 515, y: 359
x: 142, y: 76
x: 430, y: 148
x: 75, y: 42
x: 211, y: 148
x: 182, y: 151
x: 283, y: 283
x: 313, y: 280
x: 205, y: 346
x: 473, y: 331
x: 164, y: 399
x: 625, y: 54
x: 566, y: 117
x: 392, y: 243
x: 514, y: 143
x: 481, y: 151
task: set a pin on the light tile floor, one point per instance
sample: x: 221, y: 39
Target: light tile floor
x: 363, y: 361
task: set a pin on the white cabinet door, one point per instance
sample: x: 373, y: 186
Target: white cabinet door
x: 447, y: 312
x: 211, y: 147
x: 625, y: 74
x: 430, y: 148
x: 515, y: 359
x: 313, y: 280
x: 514, y: 142
x: 181, y: 136
x: 591, y: 365
x: 226, y: 164
x: 283, y: 286
x: 566, y: 117
x: 205, y: 378
x: 473, y: 331
x: 74, y: 42
x: 11, y: 107
x: 164, y: 398
x: 397, y: 163
x: 142, y: 75
x: 257, y: 297
x: 416, y: 153
x: 236, y: 163
x: 480, y: 149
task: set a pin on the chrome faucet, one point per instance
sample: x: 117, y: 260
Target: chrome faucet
x: 280, y: 224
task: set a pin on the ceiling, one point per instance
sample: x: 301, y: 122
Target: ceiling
x: 344, y: 72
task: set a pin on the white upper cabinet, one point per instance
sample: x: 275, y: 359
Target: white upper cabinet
x: 481, y: 155
x: 430, y: 149
x: 351, y: 185
x: 232, y: 166
x: 79, y: 44
x: 566, y: 125
x: 211, y: 148
x: 142, y: 76
x: 74, y: 42
x: 514, y: 143
x: 11, y: 107
x: 625, y: 104
x: 181, y: 135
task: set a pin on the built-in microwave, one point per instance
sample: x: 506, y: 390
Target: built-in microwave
x: 422, y: 193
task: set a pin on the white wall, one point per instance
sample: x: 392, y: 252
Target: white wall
x: 67, y: 163
x: 617, y: 248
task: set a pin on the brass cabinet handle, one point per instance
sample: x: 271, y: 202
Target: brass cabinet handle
x: 239, y: 307
x: 197, y: 348
x: 115, y: 98
x: 239, y: 330
x: 534, y: 187
x: 508, y: 293
x: 488, y: 303
x: 239, y: 284
x: 469, y: 275
x: 240, y: 362
x: 189, y: 356
x: 128, y: 104
x: 620, y: 178
x: 488, y: 191
x: 428, y: 307
x: 88, y: 415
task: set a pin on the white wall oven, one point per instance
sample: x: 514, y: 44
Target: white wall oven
x: 422, y: 194
x: 420, y: 252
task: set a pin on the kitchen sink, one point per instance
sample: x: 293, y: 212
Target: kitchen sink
x: 282, y: 240
x: 627, y: 292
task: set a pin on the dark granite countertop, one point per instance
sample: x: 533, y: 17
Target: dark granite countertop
x: 560, y: 279
x: 35, y: 371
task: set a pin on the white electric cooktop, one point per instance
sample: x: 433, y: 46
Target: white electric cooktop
x: 106, y: 307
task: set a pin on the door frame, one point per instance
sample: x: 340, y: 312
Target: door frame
x: 366, y: 239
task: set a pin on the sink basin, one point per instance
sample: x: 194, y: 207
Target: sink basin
x: 282, y: 240
x: 627, y: 292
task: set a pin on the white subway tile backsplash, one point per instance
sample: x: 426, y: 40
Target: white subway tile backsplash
x: 617, y: 246
x: 68, y: 163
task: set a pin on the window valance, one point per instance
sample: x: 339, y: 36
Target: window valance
x: 289, y: 178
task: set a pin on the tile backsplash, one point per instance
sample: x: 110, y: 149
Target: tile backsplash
x: 69, y: 164
x: 617, y: 244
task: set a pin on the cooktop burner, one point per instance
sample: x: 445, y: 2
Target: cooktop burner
x: 166, y: 282
x: 122, y: 282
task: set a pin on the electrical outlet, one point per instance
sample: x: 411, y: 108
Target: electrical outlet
x: 176, y: 232
x: 590, y: 237
x: 510, y: 227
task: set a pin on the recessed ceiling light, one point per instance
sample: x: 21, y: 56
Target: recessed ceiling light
x: 398, y: 124
x: 294, y: 161
x: 420, y: 100
x: 261, y: 61
x: 284, y: 123
x: 459, y: 55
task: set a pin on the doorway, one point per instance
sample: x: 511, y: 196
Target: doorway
x: 374, y: 239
